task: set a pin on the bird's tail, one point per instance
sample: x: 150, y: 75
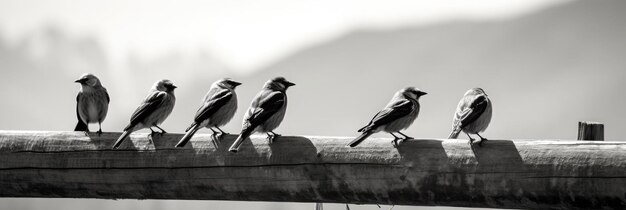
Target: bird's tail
x: 360, y: 138
x: 191, y: 126
x: 81, y: 126
x: 245, y: 133
x: 190, y: 132
x: 121, y: 139
x: 455, y: 133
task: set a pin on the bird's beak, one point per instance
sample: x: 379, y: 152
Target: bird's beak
x: 235, y: 84
x: 289, y: 84
x: 81, y: 80
x: 174, y: 87
x: 423, y: 93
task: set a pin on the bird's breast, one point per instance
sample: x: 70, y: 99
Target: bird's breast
x: 93, y: 106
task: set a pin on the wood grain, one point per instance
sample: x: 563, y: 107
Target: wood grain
x: 531, y: 174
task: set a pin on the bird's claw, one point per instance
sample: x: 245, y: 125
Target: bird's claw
x: 219, y: 135
x: 480, y: 144
x: 394, y: 142
x: 150, y: 135
x: 271, y: 137
x: 407, y: 138
x: 99, y: 132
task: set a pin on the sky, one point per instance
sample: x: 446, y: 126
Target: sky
x: 244, y: 35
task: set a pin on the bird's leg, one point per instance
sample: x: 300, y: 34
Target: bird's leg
x: 222, y: 132
x: 99, y: 128
x: 215, y: 138
x: 405, y: 136
x: 270, y: 137
x: 152, y: 132
x: 214, y: 132
x: 471, y: 140
x: 347, y: 207
x: 162, y: 131
x: 86, y: 131
x: 395, y: 139
x: 275, y: 134
x: 481, y: 140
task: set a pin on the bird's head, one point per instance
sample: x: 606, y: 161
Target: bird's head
x: 279, y: 84
x: 476, y: 91
x: 88, y: 80
x: 412, y: 92
x: 164, y: 85
x: 227, y: 83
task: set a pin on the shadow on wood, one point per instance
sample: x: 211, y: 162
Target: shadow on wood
x: 501, y: 174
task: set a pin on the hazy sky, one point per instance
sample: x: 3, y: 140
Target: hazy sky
x: 244, y: 34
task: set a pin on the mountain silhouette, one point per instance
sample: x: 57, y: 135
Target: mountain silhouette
x: 544, y: 72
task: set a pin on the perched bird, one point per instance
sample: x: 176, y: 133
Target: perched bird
x: 152, y: 111
x: 218, y: 108
x: 92, y: 103
x: 473, y: 115
x: 266, y: 111
x: 398, y: 115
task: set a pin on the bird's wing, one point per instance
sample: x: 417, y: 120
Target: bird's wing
x: 80, y: 126
x: 151, y: 103
x: 107, y: 95
x: 397, y: 110
x: 472, y: 112
x: 80, y: 94
x: 266, y: 107
x: 77, y: 101
x: 212, y: 105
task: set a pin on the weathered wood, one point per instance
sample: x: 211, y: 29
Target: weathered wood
x: 590, y: 131
x: 501, y: 173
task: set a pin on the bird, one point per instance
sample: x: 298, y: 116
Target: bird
x: 398, y: 115
x: 473, y: 115
x: 152, y: 111
x: 92, y: 103
x: 218, y: 108
x: 266, y: 111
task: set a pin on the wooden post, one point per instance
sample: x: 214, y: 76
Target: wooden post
x: 520, y: 174
x: 590, y: 131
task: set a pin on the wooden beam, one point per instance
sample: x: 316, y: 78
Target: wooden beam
x: 500, y: 174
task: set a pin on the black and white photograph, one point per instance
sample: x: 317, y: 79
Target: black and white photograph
x: 312, y: 105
